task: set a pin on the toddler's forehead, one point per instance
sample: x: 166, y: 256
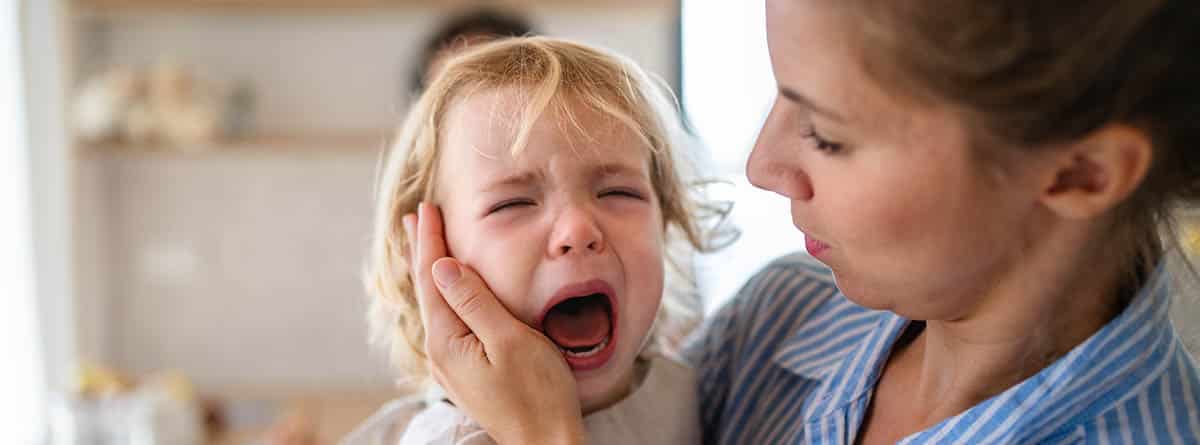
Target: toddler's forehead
x: 487, y: 125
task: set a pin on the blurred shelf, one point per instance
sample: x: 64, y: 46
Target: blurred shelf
x: 295, y: 145
x: 341, y: 6
x: 330, y: 413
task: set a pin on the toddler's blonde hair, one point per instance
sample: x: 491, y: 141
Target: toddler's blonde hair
x: 557, y: 75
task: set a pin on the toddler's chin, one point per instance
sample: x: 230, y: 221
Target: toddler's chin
x: 594, y: 397
x: 601, y: 388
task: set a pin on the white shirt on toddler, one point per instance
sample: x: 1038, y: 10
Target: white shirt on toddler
x: 662, y: 409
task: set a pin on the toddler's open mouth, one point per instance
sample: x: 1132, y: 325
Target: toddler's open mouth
x: 581, y: 320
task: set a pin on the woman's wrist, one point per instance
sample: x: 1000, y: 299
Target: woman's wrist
x: 573, y: 436
x: 571, y: 433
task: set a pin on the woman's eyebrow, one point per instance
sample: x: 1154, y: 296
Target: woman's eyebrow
x: 800, y: 99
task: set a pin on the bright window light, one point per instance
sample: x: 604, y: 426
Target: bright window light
x: 21, y: 383
x: 727, y: 91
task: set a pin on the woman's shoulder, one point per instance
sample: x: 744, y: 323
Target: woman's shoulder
x: 790, y: 290
x: 792, y: 299
x: 1164, y: 408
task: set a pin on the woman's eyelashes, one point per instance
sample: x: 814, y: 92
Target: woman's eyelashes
x: 820, y: 143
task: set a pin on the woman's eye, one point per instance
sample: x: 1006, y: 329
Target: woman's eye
x: 621, y: 193
x: 821, y: 143
x: 510, y: 204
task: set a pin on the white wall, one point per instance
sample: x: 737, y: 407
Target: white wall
x: 240, y: 269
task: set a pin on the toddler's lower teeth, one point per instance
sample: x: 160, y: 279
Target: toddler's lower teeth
x: 588, y: 353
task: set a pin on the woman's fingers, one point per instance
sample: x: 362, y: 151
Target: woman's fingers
x: 466, y: 293
x: 439, y: 319
x: 460, y: 313
x: 507, y: 376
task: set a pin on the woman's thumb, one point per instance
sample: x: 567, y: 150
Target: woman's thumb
x: 466, y: 294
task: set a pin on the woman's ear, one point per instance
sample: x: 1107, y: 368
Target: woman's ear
x: 1095, y: 174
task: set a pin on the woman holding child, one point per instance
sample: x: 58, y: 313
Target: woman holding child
x: 989, y: 186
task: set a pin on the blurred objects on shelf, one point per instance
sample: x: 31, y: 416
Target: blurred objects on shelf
x: 96, y: 381
x: 294, y: 428
x: 101, y: 104
x: 108, y: 408
x: 239, y: 111
x: 188, y: 112
x: 165, y: 104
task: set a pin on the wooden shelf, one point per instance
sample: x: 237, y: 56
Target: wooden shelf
x: 365, y: 143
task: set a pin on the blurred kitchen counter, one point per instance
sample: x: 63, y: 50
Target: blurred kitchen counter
x: 248, y: 415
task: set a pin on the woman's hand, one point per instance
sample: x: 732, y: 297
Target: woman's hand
x: 504, y: 374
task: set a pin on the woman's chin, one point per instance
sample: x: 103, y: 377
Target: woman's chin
x: 859, y: 295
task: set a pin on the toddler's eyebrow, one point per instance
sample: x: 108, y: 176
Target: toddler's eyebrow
x: 518, y: 179
x: 596, y: 172
x: 616, y: 169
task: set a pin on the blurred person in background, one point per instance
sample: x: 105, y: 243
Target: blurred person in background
x: 460, y: 32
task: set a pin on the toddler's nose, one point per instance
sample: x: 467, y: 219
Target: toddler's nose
x: 576, y: 232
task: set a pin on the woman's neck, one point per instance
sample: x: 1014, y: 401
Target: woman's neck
x: 1046, y: 304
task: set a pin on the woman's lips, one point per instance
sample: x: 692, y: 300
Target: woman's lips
x: 814, y: 246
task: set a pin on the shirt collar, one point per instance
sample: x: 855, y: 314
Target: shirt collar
x: 843, y: 345
x: 1104, y: 370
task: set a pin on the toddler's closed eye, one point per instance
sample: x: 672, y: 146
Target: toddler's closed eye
x: 510, y: 204
x: 622, y: 193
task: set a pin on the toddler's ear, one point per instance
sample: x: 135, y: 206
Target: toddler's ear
x: 1095, y: 174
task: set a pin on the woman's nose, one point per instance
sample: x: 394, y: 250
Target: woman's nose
x: 576, y: 232
x: 774, y: 164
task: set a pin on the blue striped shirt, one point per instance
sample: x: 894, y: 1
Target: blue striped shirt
x: 791, y: 360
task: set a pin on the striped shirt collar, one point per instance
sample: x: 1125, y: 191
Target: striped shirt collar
x: 1104, y: 370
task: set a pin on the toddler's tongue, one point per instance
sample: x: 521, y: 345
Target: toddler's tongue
x: 578, y: 322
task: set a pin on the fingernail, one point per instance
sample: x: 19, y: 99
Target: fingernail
x: 446, y: 272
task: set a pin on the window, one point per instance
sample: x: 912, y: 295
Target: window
x: 727, y: 91
x: 21, y: 377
